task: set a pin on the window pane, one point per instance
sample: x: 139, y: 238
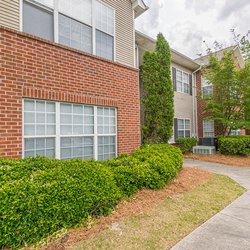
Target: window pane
x: 187, y: 124
x: 29, y: 144
x: 106, y: 147
x: 77, y: 147
x: 78, y: 9
x: 181, y: 134
x: 39, y: 147
x: 29, y: 130
x: 29, y: 117
x: 106, y: 121
x: 75, y: 34
x: 104, y: 18
x: 38, y: 21
x: 29, y: 105
x: 180, y: 124
x: 104, y: 45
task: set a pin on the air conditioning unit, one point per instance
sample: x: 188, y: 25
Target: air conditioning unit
x: 209, y: 142
x: 204, y: 150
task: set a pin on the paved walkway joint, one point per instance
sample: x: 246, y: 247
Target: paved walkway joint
x: 230, y: 228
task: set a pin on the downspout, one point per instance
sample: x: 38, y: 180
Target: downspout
x: 195, y: 105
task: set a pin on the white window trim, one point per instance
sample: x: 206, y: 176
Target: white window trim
x: 212, y: 131
x: 182, y: 82
x: 56, y: 13
x: 184, y: 119
x: 58, y: 135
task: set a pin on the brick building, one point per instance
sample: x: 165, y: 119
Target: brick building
x: 69, y: 84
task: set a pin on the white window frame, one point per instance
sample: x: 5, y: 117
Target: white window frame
x: 184, y: 130
x: 205, y: 83
x: 212, y: 131
x: 58, y: 135
x: 182, y: 81
x: 56, y: 13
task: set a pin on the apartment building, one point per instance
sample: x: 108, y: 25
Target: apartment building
x: 69, y: 86
x: 209, y: 128
x: 184, y: 74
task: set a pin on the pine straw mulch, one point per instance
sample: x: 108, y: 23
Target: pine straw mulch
x: 239, y: 161
x: 138, y: 204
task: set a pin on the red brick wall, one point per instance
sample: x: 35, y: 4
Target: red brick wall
x: 35, y: 68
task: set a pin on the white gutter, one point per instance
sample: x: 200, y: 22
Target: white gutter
x: 195, y: 105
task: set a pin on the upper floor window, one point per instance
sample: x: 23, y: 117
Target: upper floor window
x: 182, y: 81
x: 207, y: 88
x: 71, y: 23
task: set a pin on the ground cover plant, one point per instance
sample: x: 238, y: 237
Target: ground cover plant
x: 41, y: 196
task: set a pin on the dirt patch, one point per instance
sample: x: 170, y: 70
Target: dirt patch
x: 138, y: 204
x: 240, y: 161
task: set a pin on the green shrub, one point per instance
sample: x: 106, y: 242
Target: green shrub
x: 234, y: 145
x: 186, y: 144
x: 41, y: 196
x: 49, y: 200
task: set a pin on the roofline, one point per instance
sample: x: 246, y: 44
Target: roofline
x: 173, y: 50
x: 233, y: 47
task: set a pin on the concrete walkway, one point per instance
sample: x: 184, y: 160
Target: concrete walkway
x: 230, y: 228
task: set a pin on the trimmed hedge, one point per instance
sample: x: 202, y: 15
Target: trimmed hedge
x: 234, y: 145
x: 41, y: 196
x: 186, y: 144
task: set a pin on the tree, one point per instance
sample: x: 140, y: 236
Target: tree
x: 158, y: 94
x: 228, y: 104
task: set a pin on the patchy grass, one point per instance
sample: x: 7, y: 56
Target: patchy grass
x: 233, y: 160
x: 162, y: 225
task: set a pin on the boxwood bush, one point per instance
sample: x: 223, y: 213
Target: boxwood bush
x: 186, y: 144
x: 41, y: 196
x: 234, y: 145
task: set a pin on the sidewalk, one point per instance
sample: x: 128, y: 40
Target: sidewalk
x: 230, y: 228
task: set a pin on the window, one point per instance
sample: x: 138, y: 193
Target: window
x: 38, y: 21
x: 75, y: 34
x: 67, y: 131
x: 208, y: 129
x: 207, y: 88
x: 184, y: 128
x: 106, y: 121
x: 105, y: 31
x: 183, y: 83
x: 39, y: 128
x: 75, y: 26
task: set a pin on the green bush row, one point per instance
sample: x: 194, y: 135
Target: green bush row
x: 186, y: 144
x: 41, y: 196
x: 234, y: 145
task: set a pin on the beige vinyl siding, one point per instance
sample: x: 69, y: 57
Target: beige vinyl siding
x: 124, y: 30
x: 9, y: 13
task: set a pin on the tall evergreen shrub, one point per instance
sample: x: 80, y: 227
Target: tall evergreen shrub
x: 158, y: 94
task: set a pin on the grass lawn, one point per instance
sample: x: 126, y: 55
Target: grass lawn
x: 166, y: 220
x: 240, y: 161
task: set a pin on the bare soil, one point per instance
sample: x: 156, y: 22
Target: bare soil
x: 137, y: 205
x: 239, y: 161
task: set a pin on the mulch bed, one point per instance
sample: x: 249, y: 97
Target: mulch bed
x: 138, y: 204
x: 240, y: 161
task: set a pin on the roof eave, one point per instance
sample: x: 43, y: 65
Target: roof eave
x: 139, y: 7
